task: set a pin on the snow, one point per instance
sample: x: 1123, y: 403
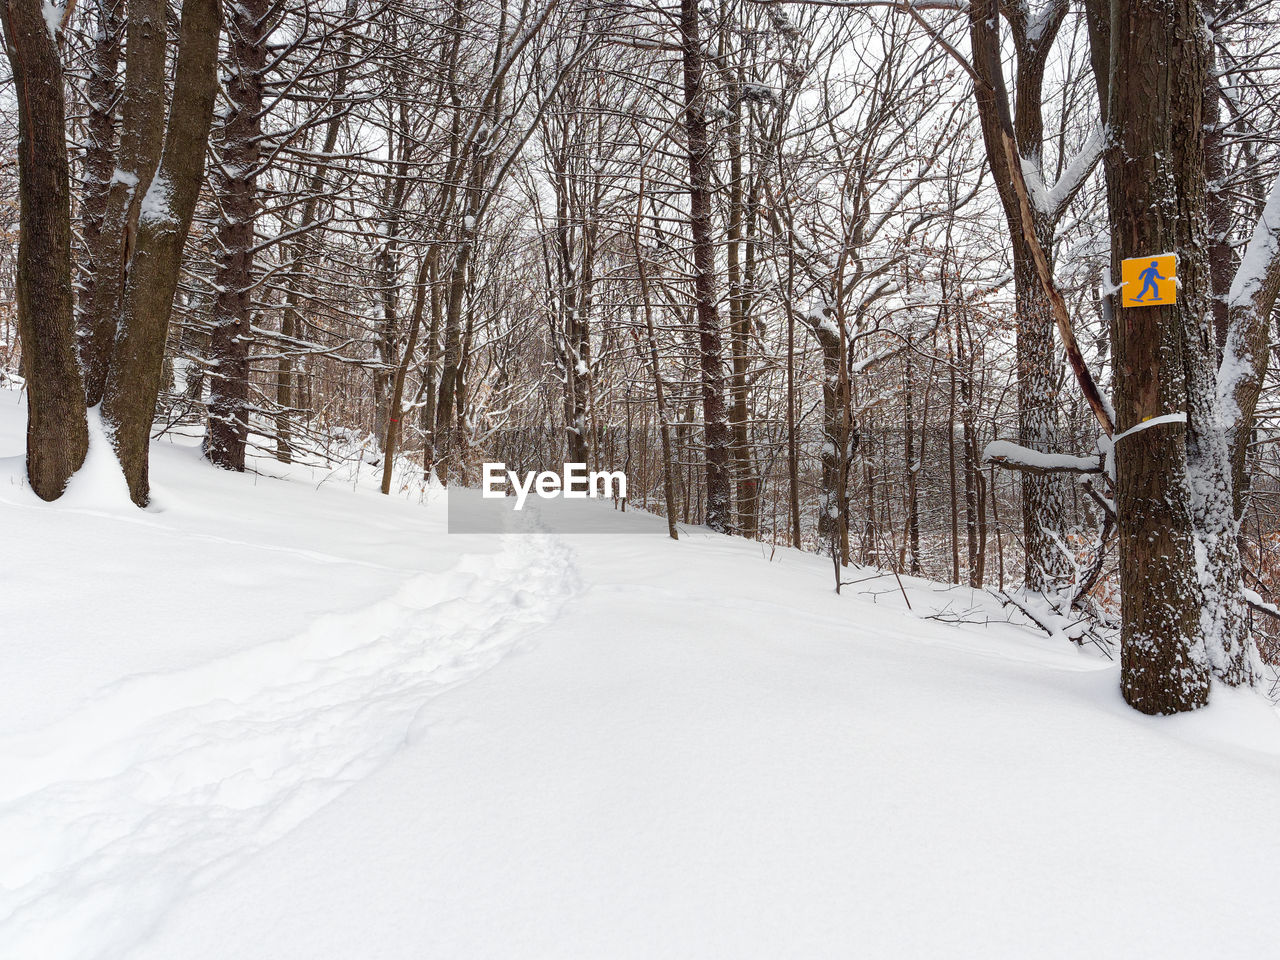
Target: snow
x: 1251, y: 274
x: 124, y: 177
x: 280, y: 718
x: 1007, y: 451
x: 52, y: 18
x: 155, y: 207
x: 1049, y: 200
x: 1036, y: 188
x: 1076, y: 171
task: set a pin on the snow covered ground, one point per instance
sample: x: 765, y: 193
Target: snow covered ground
x: 290, y: 718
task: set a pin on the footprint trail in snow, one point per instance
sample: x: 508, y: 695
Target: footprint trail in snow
x: 166, y: 780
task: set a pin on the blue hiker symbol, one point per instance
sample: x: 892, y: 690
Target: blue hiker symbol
x: 1149, y: 277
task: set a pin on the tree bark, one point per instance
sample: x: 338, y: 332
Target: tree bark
x: 141, y: 140
x: 103, y: 93
x: 133, y: 381
x: 1154, y: 164
x: 660, y: 400
x: 239, y: 152
x: 912, y: 459
x: 715, y: 416
x: 1039, y: 367
x: 747, y: 481
x: 57, y: 431
x: 395, y: 412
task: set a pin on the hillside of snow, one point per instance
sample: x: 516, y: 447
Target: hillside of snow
x: 277, y: 716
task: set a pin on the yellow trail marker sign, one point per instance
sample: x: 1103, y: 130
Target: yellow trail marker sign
x: 1149, y: 281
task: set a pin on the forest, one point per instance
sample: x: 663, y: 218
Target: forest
x: 840, y: 275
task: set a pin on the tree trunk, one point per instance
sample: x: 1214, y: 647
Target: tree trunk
x: 395, y: 413
x: 912, y: 462
x: 660, y: 400
x: 972, y: 465
x: 951, y: 464
x: 142, y: 133
x: 833, y: 509
x: 747, y: 482
x: 133, y: 381
x: 1044, y: 496
x: 57, y: 432
x: 715, y: 422
x: 1155, y: 185
x: 103, y: 92
x: 239, y: 150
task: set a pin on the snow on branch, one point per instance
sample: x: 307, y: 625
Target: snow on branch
x: 1014, y: 456
x: 1051, y: 201
x: 1036, y: 190
x: 1076, y: 173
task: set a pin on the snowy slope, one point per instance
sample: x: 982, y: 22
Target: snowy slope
x: 266, y: 720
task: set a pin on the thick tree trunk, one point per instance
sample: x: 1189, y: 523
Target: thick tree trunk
x: 239, y: 150
x: 1155, y: 184
x: 715, y: 416
x: 1044, y: 496
x: 57, y: 432
x: 141, y: 140
x: 1219, y: 402
x: 133, y: 381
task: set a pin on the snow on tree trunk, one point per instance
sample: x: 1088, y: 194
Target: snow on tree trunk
x: 1219, y: 426
x: 164, y: 219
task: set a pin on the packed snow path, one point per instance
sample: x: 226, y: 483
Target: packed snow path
x: 167, y: 780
